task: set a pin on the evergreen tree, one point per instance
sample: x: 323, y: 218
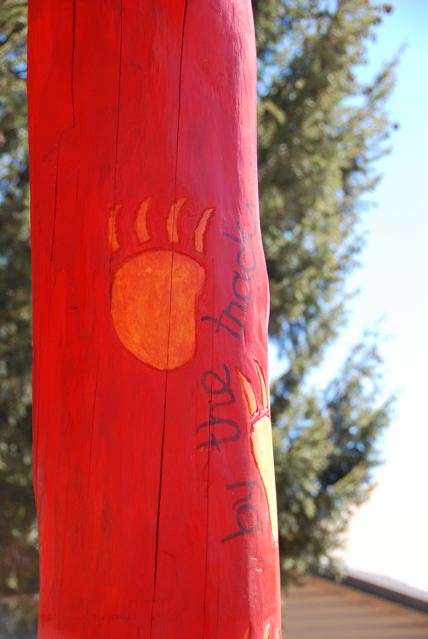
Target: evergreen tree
x: 321, y: 131
x: 18, y: 556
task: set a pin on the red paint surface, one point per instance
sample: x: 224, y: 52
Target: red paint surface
x: 149, y: 330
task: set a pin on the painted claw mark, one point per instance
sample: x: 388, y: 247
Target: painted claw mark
x: 246, y: 633
x: 266, y: 632
x: 202, y: 228
x: 261, y: 439
x: 112, y: 236
x: 141, y: 223
x: 174, y: 212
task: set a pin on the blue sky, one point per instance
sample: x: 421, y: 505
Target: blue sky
x: 388, y: 536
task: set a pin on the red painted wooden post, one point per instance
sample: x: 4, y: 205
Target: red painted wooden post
x: 152, y: 447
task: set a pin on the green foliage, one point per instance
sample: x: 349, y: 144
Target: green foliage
x: 18, y: 557
x: 326, y: 447
x: 321, y: 131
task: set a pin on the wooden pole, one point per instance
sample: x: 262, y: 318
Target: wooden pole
x: 153, y: 466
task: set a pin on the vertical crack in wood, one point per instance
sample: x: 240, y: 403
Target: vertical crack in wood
x: 159, y: 503
x: 119, y: 92
x: 91, y: 436
x: 73, y: 48
x: 207, y: 516
x: 55, y: 203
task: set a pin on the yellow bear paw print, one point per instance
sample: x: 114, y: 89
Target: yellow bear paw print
x: 154, y: 291
x: 261, y: 439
